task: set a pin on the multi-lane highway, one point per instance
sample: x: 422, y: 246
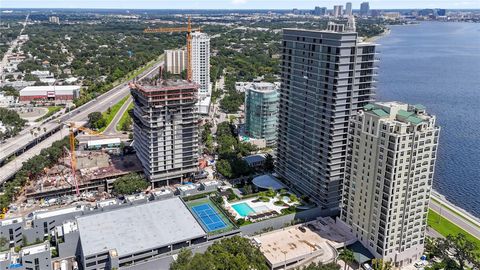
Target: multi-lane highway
x: 25, y: 146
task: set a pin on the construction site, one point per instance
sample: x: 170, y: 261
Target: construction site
x: 165, y: 145
x: 79, y: 175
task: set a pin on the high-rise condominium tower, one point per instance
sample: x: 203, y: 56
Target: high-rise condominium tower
x: 388, y: 179
x: 261, y: 112
x: 348, y: 9
x: 337, y: 11
x: 326, y: 77
x: 201, y: 62
x: 364, y: 9
x: 165, y: 129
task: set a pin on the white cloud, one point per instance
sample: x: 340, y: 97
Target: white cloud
x: 239, y: 2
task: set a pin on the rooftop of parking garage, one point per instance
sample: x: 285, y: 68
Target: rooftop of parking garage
x: 137, y: 228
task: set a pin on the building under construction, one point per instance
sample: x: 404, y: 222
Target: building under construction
x: 165, y: 129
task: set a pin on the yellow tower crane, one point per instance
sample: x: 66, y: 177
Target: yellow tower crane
x: 189, y: 31
x: 73, y: 158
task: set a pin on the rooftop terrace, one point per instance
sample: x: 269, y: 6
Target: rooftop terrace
x: 397, y: 111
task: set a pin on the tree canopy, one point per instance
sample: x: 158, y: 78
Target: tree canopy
x: 96, y: 120
x: 234, y: 253
x: 454, y: 251
x: 12, y: 123
x: 231, y: 151
x: 129, y: 184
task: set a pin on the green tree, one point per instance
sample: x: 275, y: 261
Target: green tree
x: 463, y: 250
x: 224, y: 168
x: 268, y: 165
x: 9, y: 91
x: 96, y: 120
x: 234, y: 253
x: 129, y: 184
x: 379, y: 264
x: 127, y: 124
x: 432, y: 248
x: 347, y: 256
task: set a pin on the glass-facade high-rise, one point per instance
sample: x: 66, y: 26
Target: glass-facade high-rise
x: 261, y: 112
x: 326, y: 77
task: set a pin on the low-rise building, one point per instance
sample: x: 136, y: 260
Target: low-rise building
x: 57, y: 94
x: 30, y: 257
x: 255, y: 161
x: 138, y: 233
x: 7, y: 101
x: 110, y: 144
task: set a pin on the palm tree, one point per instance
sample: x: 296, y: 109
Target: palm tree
x: 347, y: 256
x: 379, y: 264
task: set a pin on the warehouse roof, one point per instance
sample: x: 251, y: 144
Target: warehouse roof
x: 49, y: 88
x: 138, y: 228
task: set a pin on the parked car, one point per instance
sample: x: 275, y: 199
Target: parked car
x: 366, y: 266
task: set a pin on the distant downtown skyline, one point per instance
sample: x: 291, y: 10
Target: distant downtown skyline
x: 235, y: 4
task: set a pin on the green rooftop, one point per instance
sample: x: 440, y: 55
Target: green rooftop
x: 368, y: 107
x: 419, y: 107
x: 414, y: 120
x: 404, y: 114
x: 380, y: 112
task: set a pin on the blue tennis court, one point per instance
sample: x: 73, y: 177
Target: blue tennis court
x: 209, y: 217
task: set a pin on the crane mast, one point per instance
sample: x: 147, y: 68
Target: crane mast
x: 73, y: 157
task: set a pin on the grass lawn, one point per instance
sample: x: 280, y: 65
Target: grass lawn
x: 108, y: 115
x: 124, y: 118
x: 446, y: 227
x: 454, y: 211
x: 51, y: 111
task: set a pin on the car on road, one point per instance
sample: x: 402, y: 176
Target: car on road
x: 420, y: 264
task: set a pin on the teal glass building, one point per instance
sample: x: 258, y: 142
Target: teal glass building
x: 261, y: 112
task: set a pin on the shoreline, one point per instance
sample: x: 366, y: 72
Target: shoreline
x: 386, y: 32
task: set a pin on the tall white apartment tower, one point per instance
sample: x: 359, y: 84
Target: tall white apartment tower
x: 388, y: 179
x: 201, y: 62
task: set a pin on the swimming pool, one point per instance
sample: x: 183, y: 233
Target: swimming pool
x: 243, y: 209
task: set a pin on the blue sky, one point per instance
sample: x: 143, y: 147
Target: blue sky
x: 235, y: 4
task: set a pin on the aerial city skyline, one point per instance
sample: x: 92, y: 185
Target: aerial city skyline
x: 235, y: 4
x: 297, y: 135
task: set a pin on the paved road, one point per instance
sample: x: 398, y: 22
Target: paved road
x: 112, y: 127
x: 459, y: 218
x: 14, y: 44
x: 79, y: 115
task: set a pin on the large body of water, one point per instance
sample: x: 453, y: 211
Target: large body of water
x: 438, y: 65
